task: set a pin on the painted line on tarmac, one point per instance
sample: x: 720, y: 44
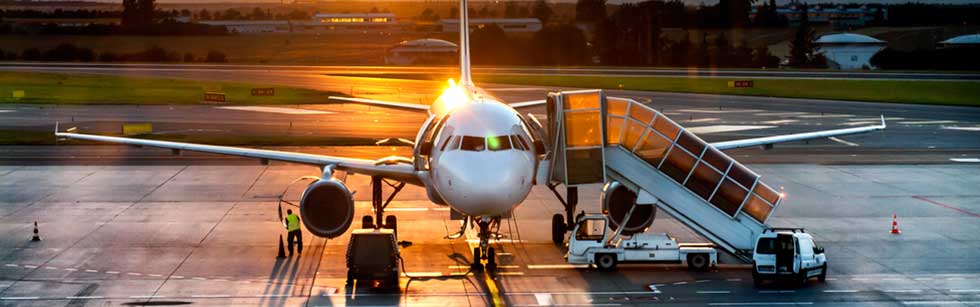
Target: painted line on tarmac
x: 940, y: 302
x: 928, y: 122
x: 289, y: 111
x: 780, y: 122
x: 759, y: 303
x: 965, y: 160
x: 961, y: 128
x: 701, y: 120
x: 16, y: 298
x: 964, y: 290
x: 841, y: 291
x: 146, y: 296
x: 923, y: 198
x: 544, y: 299
x: 725, y: 128
x: 84, y: 297
x: 901, y: 290
x: 864, y: 123
x: 838, y: 140
x: 713, y: 111
x: 826, y: 116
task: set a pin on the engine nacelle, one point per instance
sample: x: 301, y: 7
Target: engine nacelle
x: 617, y: 200
x: 327, y: 208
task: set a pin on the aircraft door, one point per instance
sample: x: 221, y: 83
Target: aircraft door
x: 576, y: 127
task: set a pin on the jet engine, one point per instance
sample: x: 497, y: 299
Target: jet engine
x: 327, y: 208
x: 617, y: 200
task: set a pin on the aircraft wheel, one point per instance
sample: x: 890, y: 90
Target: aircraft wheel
x: 491, y: 260
x: 558, y: 229
x: 367, y: 222
x: 476, y: 266
x: 605, y: 262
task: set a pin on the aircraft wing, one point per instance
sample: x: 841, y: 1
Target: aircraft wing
x: 796, y: 137
x: 393, y: 104
x: 524, y: 104
x: 392, y: 168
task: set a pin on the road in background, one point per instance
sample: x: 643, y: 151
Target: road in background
x: 478, y: 70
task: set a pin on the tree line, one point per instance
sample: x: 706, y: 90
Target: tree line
x: 67, y: 52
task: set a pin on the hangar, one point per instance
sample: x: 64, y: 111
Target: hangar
x: 422, y: 51
x: 849, y: 50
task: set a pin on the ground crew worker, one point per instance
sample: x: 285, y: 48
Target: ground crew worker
x: 292, y: 225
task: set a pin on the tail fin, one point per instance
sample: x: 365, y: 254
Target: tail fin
x: 464, y: 45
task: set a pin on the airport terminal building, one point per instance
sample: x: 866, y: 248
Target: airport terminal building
x: 320, y: 23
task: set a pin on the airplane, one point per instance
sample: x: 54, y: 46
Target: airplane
x: 474, y: 153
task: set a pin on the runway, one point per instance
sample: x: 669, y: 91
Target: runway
x: 568, y: 71
x: 207, y: 234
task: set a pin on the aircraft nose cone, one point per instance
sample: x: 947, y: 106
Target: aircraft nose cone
x: 489, y: 186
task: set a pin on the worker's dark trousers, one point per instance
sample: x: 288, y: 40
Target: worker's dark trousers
x: 298, y: 235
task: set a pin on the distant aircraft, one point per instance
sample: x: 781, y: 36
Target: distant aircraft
x: 474, y: 153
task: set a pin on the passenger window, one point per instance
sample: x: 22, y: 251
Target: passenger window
x: 498, y: 143
x: 472, y: 143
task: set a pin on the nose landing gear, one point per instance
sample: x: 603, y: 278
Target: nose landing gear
x: 485, y: 251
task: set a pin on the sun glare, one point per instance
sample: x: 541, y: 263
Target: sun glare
x: 452, y: 96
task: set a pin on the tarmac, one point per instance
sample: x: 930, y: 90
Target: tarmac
x: 208, y: 235
x: 129, y: 226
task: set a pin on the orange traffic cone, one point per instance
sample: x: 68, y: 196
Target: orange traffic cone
x: 895, y: 230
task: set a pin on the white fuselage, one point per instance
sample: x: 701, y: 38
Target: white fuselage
x: 482, y: 161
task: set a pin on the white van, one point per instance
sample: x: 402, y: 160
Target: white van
x: 790, y: 254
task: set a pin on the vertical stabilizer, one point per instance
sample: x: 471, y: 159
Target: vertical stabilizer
x: 464, y: 45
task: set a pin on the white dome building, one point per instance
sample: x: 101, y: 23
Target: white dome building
x: 849, y: 50
x: 422, y: 51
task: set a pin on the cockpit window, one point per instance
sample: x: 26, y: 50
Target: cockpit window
x: 472, y: 143
x: 498, y: 143
x: 451, y: 139
x: 519, y: 142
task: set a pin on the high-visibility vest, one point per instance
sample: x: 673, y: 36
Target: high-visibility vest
x: 292, y: 222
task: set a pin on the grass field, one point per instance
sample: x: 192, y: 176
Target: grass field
x: 48, y: 88
x: 919, y: 92
x: 22, y: 137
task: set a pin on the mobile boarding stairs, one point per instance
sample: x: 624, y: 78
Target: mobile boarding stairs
x: 596, y: 139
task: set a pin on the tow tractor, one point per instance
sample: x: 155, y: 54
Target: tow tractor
x: 594, y: 242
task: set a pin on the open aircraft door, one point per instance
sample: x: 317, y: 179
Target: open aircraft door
x: 576, y: 135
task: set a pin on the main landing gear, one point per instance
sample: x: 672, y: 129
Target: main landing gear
x: 379, y: 204
x: 485, y: 251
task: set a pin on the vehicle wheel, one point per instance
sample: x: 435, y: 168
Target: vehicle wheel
x: 558, y: 229
x: 756, y: 279
x: 391, y: 222
x: 698, y: 262
x: 823, y: 273
x: 367, y: 222
x: 491, y: 260
x: 605, y: 262
x: 802, y: 279
x: 350, y: 278
x: 392, y: 281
